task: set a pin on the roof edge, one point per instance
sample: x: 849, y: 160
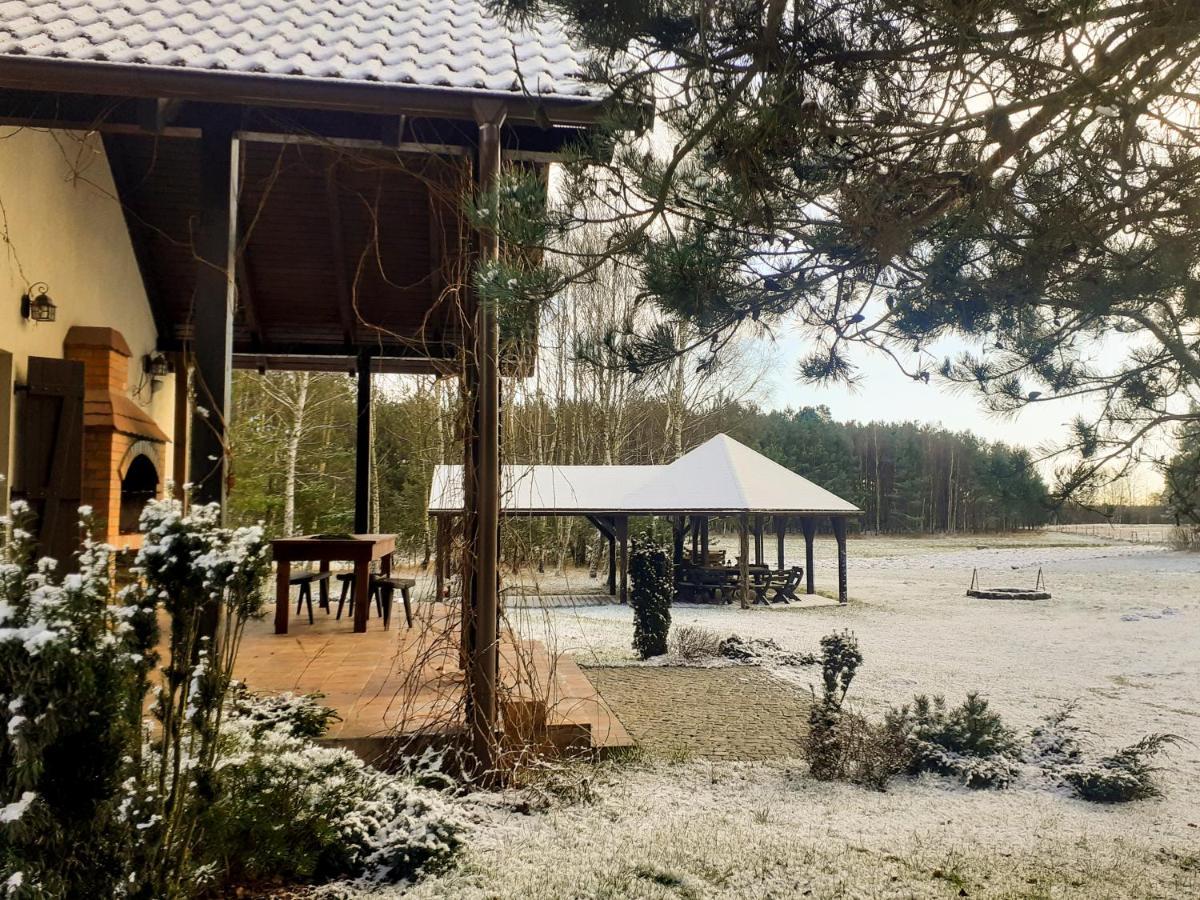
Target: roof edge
x: 254, y: 88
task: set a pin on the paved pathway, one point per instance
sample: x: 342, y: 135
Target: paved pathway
x: 736, y: 712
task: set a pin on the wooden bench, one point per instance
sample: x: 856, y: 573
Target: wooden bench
x: 382, y: 591
x: 306, y: 580
x: 387, y: 587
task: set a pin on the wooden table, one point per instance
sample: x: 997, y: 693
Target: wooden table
x: 360, y: 549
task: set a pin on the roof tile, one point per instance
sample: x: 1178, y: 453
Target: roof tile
x: 450, y: 43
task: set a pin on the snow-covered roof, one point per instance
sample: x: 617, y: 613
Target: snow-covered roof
x: 451, y: 44
x: 720, y: 476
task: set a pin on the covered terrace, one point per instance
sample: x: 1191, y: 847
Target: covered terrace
x: 721, y: 478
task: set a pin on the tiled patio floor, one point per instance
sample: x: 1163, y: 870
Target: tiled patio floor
x: 403, y: 681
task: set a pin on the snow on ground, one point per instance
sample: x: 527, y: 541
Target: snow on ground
x: 1121, y: 636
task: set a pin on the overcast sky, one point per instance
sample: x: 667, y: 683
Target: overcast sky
x: 885, y: 394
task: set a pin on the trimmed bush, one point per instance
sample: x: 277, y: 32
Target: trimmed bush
x: 652, y: 589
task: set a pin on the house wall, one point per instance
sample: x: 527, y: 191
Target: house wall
x: 60, y: 223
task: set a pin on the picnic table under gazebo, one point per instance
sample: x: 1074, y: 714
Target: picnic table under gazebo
x: 721, y: 478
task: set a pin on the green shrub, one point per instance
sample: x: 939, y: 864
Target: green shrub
x: 1123, y: 776
x: 291, y: 809
x: 652, y: 589
x: 842, y: 745
x: 693, y: 643
x: 969, y: 742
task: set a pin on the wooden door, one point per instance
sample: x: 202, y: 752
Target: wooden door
x: 48, y: 463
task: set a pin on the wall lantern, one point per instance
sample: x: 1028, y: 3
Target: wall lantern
x: 156, y: 365
x: 36, y: 303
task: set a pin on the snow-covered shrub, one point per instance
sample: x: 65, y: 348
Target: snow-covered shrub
x: 301, y: 715
x: 652, y: 590
x: 1122, y: 776
x: 842, y: 745
x: 692, y: 642
x: 73, y: 668
x: 762, y: 651
x: 289, y: 808
x: 969, y: 741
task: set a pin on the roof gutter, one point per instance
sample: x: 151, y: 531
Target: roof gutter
x: 301, y: 91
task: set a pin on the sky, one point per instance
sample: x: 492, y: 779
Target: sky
x: 887, y: 395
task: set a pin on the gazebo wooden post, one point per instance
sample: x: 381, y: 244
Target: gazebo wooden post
x: 213, y: 302
x: 759, y: 544
x: 839, y: 532
x: 677, y: 528
x: 612, y: 562
x: 622, y: 529
x: 362, y: 449
x: 744, y: 560
x: 809, y: 526
x: 780, y: 531
x: 695, y: 538
x: 704, y: 540
x: 441, y: 559
x: 485, y: 541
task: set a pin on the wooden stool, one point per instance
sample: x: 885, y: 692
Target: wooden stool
x: 388, y: 587
x: 306, y: 580
x: 347, y: 580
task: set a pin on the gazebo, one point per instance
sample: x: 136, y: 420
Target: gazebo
x: 721, y: 478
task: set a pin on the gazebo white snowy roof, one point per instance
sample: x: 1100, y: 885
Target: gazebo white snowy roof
x: 720, y: 477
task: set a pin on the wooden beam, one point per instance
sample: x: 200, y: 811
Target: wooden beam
x: 839, y: 532
x: 623, y: 564
x: 744, y: 560
x: 215, y: 246
x: 759, y: 547
x: 245, y: 301
x: 483, y: 675
x: 809, y: 526
x: 362, y: 450
x: 341, y: 271
x: 780, y: 533
x: 183, y: 421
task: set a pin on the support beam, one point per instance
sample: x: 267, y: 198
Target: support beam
x: 839, y: 532
x: 612, y: 565
x: 744, y: 560
x: 809, y: 526
x: 362, y: 446
x: 780, y: 533
x: 623, y: 565
x: 759, y: 545
x: 695, y: 539
x: 441, y: 560
x: 215, y: 246
x: 704, y: 540
x: 183, y: 424
x: 482, y: 675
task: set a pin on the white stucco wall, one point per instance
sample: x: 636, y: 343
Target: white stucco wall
x: 60, y: 223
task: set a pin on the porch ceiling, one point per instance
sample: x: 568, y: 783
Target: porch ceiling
x: 340, y: 249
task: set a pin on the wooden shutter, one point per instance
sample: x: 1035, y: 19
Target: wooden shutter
x: 48, y: 465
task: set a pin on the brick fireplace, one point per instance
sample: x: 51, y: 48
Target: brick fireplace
x: 123, y: 448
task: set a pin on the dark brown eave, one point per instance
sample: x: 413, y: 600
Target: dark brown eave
x: 218, y: 86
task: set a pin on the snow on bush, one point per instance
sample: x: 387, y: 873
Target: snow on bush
x: 290, y: 808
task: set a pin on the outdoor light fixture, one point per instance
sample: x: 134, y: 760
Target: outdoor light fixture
x: 36, y: 303
x: 156, y: 365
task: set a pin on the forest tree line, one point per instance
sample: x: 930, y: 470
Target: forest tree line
x: 293, y: 452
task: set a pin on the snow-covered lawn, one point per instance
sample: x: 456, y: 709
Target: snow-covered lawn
x: 1121, y: 637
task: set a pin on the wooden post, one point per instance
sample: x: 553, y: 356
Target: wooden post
x: 215, y: 245
x: 839, y: 532
x: 622, y: 523
x: 695, y: 539
x: 759, y: 544
x: 704, y: 540
x: 612, y: 564
x: 780, y: 532
x: 441, y: 560
x: 183, y: 421
x: 483, y: 673
x: 362, y: 445
x: 809, y: 527
x: 744, y: 560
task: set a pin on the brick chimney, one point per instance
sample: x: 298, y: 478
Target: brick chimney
x: 123, y: 448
